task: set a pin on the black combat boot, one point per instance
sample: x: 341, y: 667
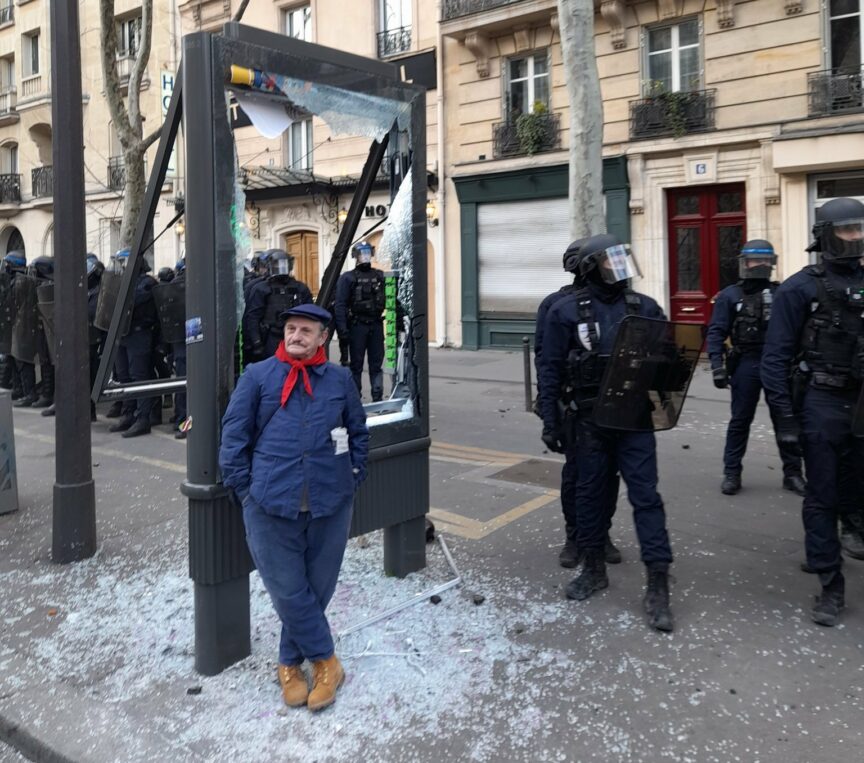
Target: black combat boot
x: 570, y: 555
x: 852, y: 535
x: 656, y: 601
x: 123, y: 424
x: 795, y: 483
x: 731, y: 484
x: 25, y: 401
x: 115, y: 411
x: 49, y: 411
x: 141, y: 426
x: 591, y: 579
x: 611, y: 551
x: 46, y: 388
x: 828, y: 605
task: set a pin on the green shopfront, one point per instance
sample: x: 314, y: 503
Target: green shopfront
x: 514, y: 230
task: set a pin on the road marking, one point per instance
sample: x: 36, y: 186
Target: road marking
x: 472, y: 529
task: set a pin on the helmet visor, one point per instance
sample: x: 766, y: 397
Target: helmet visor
x: 756, y: 265
x: 617, y: 264
x: 848, y: 238
x: 281, y: 266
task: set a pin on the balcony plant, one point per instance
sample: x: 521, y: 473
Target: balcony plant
x: 532, y: 129
x: 672, y: 105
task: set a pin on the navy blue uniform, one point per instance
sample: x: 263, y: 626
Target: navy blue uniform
x: 136, y: 348
x: 600, y: 451
x: 827, y: 397
x: 733, y: 304
x: 263, y: 332
x: 363, y: 325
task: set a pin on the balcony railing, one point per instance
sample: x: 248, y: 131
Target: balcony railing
x: 31, y: 86
x: 453, y: 9
x: 394, y: 41
x: 43, y: 182
x: 10, y: 188
x: 117, y: 173
x: 543, y: 135
x: 674, y: 114
x: 7, y: 13
x: 834, y: 92
x: 7, y: 100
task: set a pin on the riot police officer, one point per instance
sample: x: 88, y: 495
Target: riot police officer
x: 95, y: 337
x: 816, y: 331
x: 570, y: 555
x: 741, y: 314
x: 359, y: 313
x: 165, y: 275
x: 579, y: 335
x: 27, y: 337
x: 136, y: 351
x: 171, y: 306
x: 13, y: 264
x: 268, y: 298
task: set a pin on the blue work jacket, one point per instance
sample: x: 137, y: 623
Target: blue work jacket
x: 279, y: 455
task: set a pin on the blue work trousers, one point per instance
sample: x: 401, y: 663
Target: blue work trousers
x: 569, y: 477
x: 299, y: 561
x: 368, y: 339
x: 599, y: 451
x: 833, y: 458
x: 746, y: 389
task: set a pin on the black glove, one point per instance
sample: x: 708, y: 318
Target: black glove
x: 721, y: 378
x: 552, y: 439
x: 343, y: 351
x: 788, y: 432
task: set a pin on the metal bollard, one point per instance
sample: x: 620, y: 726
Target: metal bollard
x: 526, y: 360
x: 8, y: 478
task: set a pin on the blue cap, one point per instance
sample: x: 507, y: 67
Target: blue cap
x: 312, y: 312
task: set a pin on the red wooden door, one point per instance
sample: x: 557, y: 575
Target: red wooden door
x: 707, y: 227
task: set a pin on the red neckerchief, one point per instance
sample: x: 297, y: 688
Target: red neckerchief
x: 298, y: 366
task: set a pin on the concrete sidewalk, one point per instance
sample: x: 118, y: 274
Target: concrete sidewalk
x: 96, y: 658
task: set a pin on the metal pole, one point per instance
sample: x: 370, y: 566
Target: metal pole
x: 74, y: 513
x: 526, y: 361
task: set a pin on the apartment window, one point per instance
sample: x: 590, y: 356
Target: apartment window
x: 297, y: 23
x: 847, y: 35
x: 674, y: 57
x: 527, y: 83
x: 7, y: 74
x: 128, y: 36
x: 9, y: 159
x: 300, y: 145
x: 395, y: 14
x: 30, y: 51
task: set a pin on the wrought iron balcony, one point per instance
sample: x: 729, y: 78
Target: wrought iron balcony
x: 116, y: 173
x: 7, y: 12
x: 539, y: 132
x: 834, y: 92
x: 43, y: 182
x: 10, y: 188
x: 394, y: 41
x: 674, y: 114
x: 453, y: 9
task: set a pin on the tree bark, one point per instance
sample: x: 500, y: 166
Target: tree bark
x: 576, y: 24
x: 126, y: 115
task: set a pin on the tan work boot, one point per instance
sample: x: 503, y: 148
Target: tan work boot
x: 327, y: 677
x: 295, y: 690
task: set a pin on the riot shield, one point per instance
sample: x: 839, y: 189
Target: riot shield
x: 858, y: 415
x: 109, y: 289
x: 26, y: 332
x: 45, y: 297
x: 170, y: 299
x: 7, y: 313
x: 648, y: 374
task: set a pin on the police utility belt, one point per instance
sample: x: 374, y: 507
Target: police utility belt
x: 585, y: 364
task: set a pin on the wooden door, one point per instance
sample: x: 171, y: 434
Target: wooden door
x: 707, y: 228
x: 303, y: 247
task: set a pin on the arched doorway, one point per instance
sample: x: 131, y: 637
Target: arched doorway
x: 13, y: 239
x: 302, y: 245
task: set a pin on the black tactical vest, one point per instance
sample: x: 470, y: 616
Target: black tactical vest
x: 585, y: 364
x: 753, y: 311
x: 832, y: 343
x: 367, y: 297
x: 283, y: 296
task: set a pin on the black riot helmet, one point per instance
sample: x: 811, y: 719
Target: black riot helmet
x: 95, y: 269
x: 42, y: 267
x: 14, y: 262
x: 756, y: 260
x: 606, y: 261
x: 165, y: 275
x: 839, y: 230
x: 363, y: 252
x: 572, y: 254
x: 279, y: 262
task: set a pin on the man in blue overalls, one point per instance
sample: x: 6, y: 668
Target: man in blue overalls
x: 294, y: 449
x: 741, y: 314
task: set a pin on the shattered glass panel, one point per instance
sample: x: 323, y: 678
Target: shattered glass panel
x: 395, y: 250
x: 239, y: 231
x: 346, y: 112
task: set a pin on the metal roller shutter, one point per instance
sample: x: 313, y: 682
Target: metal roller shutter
x: 520, y: 245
